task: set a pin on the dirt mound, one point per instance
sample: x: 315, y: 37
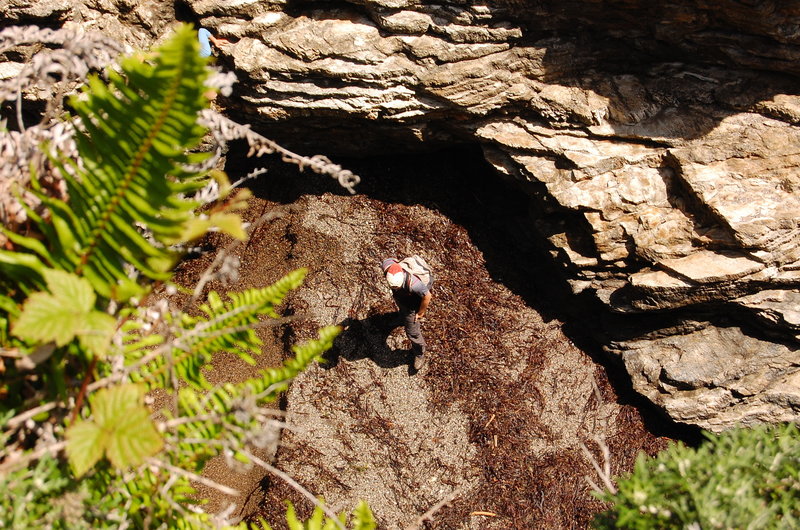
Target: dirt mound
x: 495, y: 422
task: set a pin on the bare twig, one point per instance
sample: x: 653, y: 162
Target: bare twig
x: 193, y: 476
x: 19, y: 419
x: 226, y: 130
x: 20, y: 122
x: 293, y: 483
x: 14, y: 463
x: 164, y: 492
x: 185, y: 343
x: 603, y: 472
x: 428, y: 516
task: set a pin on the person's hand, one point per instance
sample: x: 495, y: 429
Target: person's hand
x: 218, y: 41
x: 419, y: 317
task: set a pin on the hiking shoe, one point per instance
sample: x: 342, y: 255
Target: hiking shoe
x: 419, y: 362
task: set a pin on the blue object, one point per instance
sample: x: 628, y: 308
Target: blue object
x: 205, y: 46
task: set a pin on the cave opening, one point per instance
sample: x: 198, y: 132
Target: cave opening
x: 499, y: 213
x: 513, y: 348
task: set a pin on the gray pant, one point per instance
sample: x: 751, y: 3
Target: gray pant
x: 413, y: 330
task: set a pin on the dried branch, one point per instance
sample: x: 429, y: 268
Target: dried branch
x: 428, y: 516
x: 604, y: 471
x: 226, y: 130
x: 21, y: 418
x: 12, y: 463
x: 294, y: 484
x: 78, y: 54
x: 193, y: 476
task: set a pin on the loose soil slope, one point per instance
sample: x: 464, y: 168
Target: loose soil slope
x: 495, y: 422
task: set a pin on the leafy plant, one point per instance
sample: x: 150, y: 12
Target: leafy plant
x: 85, y: 335
x: 743, y: 478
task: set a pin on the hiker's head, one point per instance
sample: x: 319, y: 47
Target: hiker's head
x: 395, y: 276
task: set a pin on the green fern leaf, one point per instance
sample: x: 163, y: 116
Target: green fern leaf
x: 30, y: 243
x: 133, y: 166
x: 225, y: 401
x: 291, y: 518
x: 316, y: 520
x: 226, y: 327
x: 261, y: 524
x: 21, y: 272
x: 363, y: 518
x: 135, y: 134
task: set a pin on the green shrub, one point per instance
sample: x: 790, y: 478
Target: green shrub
x: 742, y: 478
x: 83, y: 340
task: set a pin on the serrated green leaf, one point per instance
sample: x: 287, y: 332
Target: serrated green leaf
x: 46, y: 318
x: 59, y: 315
x: 133, y: 439
x: 110, y: 403
x: 97, y: 333
x: 120, y: 428
x: 70, y: 289
x: 85, y: 446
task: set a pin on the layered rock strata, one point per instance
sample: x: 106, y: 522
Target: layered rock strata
x: 659, y: 145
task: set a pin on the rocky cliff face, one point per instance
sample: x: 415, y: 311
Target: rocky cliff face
x: 659, y: 145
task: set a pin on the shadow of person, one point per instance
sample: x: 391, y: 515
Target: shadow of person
x: 367, y: 338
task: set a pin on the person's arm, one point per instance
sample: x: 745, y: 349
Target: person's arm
x: 423, y: 306
x: 218, y: 41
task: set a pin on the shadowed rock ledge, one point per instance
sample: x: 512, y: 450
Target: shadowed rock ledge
x: 658, y: 144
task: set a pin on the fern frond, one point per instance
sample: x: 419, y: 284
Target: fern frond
x: 133, y: 139
x: 225, y: 327
x: 273, y: 380
x: 223, y: 405
x: 133, y: 170
x: 362, y: 519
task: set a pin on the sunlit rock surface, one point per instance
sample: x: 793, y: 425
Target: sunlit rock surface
x: 659, y: 144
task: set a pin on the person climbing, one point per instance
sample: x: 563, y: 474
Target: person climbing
x: 410, y: 281
x: 207, y: 39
